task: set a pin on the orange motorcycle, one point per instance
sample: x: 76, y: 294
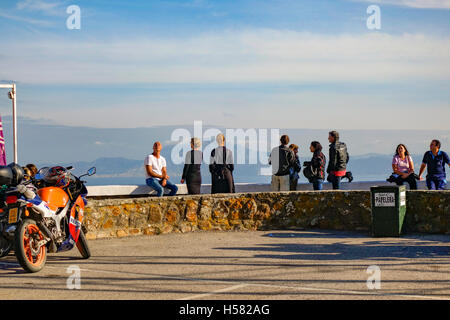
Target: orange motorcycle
x: 43, y: 214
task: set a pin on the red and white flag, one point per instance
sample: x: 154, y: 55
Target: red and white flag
x: 2, y: 145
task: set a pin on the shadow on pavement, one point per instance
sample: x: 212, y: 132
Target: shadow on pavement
x: 426, y: 246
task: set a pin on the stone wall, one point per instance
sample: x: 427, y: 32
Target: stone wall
x: 427, y: 211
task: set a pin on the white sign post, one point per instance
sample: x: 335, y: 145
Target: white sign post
x: 12, y: 96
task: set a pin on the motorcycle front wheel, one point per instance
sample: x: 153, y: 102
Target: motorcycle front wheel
x: 29, y: 253
x: 82, y: 246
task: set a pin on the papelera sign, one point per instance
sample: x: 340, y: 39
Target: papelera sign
x: 385, y: 199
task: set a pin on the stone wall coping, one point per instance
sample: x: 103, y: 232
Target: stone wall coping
x: 143, y: 190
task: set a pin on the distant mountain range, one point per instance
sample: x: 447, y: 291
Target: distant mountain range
x: 119, y: 154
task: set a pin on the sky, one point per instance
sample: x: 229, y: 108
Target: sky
x: 310, y: 64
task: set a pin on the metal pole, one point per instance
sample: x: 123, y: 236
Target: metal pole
x: 14, y: 101
x: 15, y: 122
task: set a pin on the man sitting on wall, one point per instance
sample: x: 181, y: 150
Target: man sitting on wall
x: 156, y: 169
x: 435, y: 160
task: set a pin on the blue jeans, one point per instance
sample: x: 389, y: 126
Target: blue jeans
x: 436, y: 183
x: 318, y: 184
x: 335, y: 181
x: 155, y: 184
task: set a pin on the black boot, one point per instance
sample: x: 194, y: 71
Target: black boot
x: 349, y: 176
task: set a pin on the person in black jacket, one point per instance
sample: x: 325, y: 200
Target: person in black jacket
x: 282, y: 159
x: 316, y: 166
x: 191, y: 170
x: 221, y: 167
x: 294, y: 171
x: 338, y: 159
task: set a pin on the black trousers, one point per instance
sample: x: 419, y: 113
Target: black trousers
x: 223, y: 184
x: 194, y: 183
x: 410, y: 179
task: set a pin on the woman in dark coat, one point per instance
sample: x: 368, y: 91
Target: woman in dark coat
x: 316, y: 166
x: 191, y: 170
x: 221, y: 167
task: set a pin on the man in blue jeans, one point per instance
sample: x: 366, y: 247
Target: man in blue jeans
x: 435, y: 160
x: 156, y: 169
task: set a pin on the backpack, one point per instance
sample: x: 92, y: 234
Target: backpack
x: 309, y: 173
x: 342, y: 155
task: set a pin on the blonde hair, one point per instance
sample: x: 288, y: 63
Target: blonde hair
x: 293, y: 146
x: 196, y: 142
x: 220, y: 138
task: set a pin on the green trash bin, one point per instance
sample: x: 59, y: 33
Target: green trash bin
x: 388, y: 210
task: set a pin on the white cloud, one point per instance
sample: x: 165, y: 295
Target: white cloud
x: 422, y: 4
x: 37, y: 22
x: 244, y: 56
x: 48, y: 8
x: 25, y: 11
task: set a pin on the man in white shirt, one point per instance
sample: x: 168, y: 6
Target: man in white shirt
x: 156, y: 169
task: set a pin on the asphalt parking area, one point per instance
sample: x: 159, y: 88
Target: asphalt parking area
x: 247, y: 265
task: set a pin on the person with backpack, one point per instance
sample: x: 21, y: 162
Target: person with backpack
x: 338, y: 159
x: 314, y: 170
x: 282, y: 159
x: 221, y: 167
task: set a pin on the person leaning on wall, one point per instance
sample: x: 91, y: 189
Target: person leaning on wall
x: 435, y: 160
x: 156, y: 169
x: 314, y: 170
x: 281, y: 159
x: 338, y: 159
x: 221, y: 167
x: 403, y: 168
x: 192, y: 168
x: 294, y: 171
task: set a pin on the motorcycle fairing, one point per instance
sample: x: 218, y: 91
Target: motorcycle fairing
x: 76, y: 217
x: 55, y: 197
x: 67, y: 244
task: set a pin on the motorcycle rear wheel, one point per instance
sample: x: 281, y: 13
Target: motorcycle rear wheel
x: 82, y: 246
x: 27, y: 235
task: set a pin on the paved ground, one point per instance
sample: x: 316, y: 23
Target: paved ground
x: 242, y: 265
